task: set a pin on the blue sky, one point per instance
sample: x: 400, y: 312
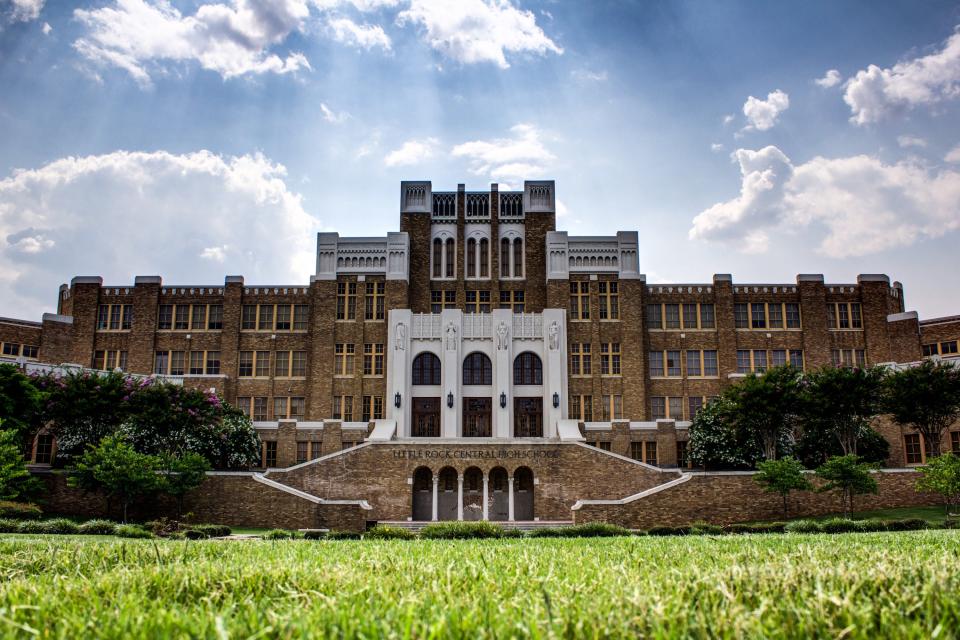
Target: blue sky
x: 198, y: 139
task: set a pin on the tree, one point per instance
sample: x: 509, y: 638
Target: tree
x: 20, y: 402
x: 942, y: 475
x: 714, y: 443
x: 118, y: 470
x: 848, y: 475
x: 765, y: 407
x: 15, y: 480
x: 782, y: 476
x: 183, y: 474
x: 926, y: 398
x: 815, y: 445
x: 842, y: 402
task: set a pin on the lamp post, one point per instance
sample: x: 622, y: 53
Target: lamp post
x: 503, y: 400
x: 396, y: 399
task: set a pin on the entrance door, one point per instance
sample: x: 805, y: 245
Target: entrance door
x: 500, y: 507
x: 528, y: 417
x: 523, y: 494
x: 447, y: 496
x: 422, y: 494
x: 426, y: 418
x: 476, y: 417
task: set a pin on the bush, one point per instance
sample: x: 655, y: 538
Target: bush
x: 314, y: 534
x: 513, y: 533
x: 163, y: 527
x: 951, y: 523
x: 281, y: 534
x: 342, y: 535
x: 194, y: 534
x: 19, y: 510
x: 55, y: 526
x: 668, y: 531
x: 909, y: 524
x: 386, y: 532
x: 838, y: 525
x: 9, y: 526
x: 756, y: 527
x: 132, y: 531
x: 461, y: 530
x: 213, y: 530
x: 98, y: 528
x: 803, y: 526
x: 705, y: 529
x: 870, y: 526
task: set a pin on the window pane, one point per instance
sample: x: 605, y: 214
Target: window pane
x: 710, y: 363
x: 690, y: 316
x: 693, y: 363
x: 740, y: 319
x: 672, y: 316
x: 758, y: 317
x: 654, y: 318
x: 707, y: 319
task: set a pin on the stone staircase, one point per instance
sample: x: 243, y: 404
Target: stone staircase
x: 522, y: 525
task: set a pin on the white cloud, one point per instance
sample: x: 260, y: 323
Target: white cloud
x: 864, y: 206
x: 874, y: 94
x: 363, y: 6
x: 911, y: 141
x: 472, y: 31
x: 412, y: 152
x: 762, y: 114
x: 585, y: 75
x: 47, y: 28
x: 24, y: 10
x: 365, y: 36
x: 522, y: 156
x: 716, y: 147
x: 332, y: 116
x: 232, y: 39
x: 176, y: 214
x: 953, y: 155
x: 830, y: 79
x: 727, y: 119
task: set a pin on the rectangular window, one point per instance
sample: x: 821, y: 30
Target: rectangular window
x: 103, y: 317
x: 654, y: 316
x: 581, y: 408
x: 658, y: 408
x: 270, y: 454
x: 245, y: 361
x: 948, y: 348
x: 609, y: 293
x: 343, y: 408
x: 262, y: 364
x: 477, y: 301
x: 673, y: 364
x: 707, y: 317
x: 710, y: 367
x: 743, y: 361
x: 690, y: 316
x: 373, y: 359
x: 281, y: 364
x: 443, y: 299
x: 675, y: 408
x: 778, y: 358
x: 127, y: 320
x: 114, y: 317
x: 610, y: 358
x: 775, y: 312
x: 243, y: 403
x: 930, y: 350
x: 693, y: 363
x: 11, y: 349
x: 181, y: 317
x: 612, y: 407
x: 856, y: 317
x: 298, y: 364
x: 298, y: 407
x: 248, y: 317
x: 758, y: 316
x: 955, y: 442
x: 759, y: 360
x: 198, y: 317
x: 579, y: 300
x: 793, y: 315
x: 343, y: 359
x: 694, y: 404
x: 31, y: 351
x: 215, y: 317
x: 636, y: 451
x: 165, y: 317
x: 650, y: 453
x: 913, y: 448
x: 280, y: 405
x: 656, y: 364
x: 44, y: 449
x: 303, y: 449
x: 265, y: 317
x: 843, y: 316
x: 213, y: 363
x: 671, y: 314
x: 683, y: 456
x: 301, y: 317
x: 740, y: 318
x: 796, y: 359
x: 580, y: 359
x: 196, y: 363
x: 603, y: 445
x: 373, y: 305
x: 512, y: 300
x: 108, y: 360
x: 372, y: 408
x: 346, y: 300
x: 283, y: 317
x: 177, y: 363
x: 259, y: 409
x: 161, y: 363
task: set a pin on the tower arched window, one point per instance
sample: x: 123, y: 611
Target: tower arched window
x: 527, y: 369
x: 477, y: 369
x: 471, y: 258
x: 426, y: 369
x: 505, y: 258
x: 517, y: 258
x: 484, y: 258
x: 449, y: 258
x: 437, y: 257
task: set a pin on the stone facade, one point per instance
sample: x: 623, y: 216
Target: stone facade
x: 554, y: 329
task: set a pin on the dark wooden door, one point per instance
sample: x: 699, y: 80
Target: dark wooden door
x: 476, y: 417
x: 426, y: 418
x: 528, y: 417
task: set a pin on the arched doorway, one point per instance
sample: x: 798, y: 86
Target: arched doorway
x: 523, y: 494
x: 473, y: 494
x: 447, y: 494
x: 422, y: 494
x: 499, y: 498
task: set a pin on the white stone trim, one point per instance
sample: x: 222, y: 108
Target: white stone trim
x: 363, y: 504
x: 637, y: 496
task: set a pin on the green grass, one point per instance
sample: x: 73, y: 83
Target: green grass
x: 903, y: 585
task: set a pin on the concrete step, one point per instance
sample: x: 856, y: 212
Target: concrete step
x: 523, y: 525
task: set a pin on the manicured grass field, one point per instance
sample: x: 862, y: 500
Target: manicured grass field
x: 903, y: 585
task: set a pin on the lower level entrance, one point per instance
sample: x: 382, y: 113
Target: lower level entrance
x: 528, y: 417
x: 476, y: 417
x: 426, y: 418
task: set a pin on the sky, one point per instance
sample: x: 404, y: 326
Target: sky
x: 198, y: 139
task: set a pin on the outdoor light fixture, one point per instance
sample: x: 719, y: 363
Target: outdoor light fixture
x: 450, y: 399
x: 396, y: 399
x: 503, y: 400
x: 556, y: 399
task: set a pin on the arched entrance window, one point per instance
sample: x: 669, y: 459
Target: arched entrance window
x: 527, y: 369
x: 422, y: 494
x: 426, y: 369
x: 523, y: 494
x: 477, y: 369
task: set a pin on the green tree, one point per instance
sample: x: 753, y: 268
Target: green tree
x: 715, y: 444
x: 765, y: 407
x: 115, y: 468
x: 942, y: 475
x: 15, y: 480
x: 20, y: 402
x: 815, y: 445
x: 782, y: 476
x: 184, y: 473
x: 848, y: 475
x: 842, y: 402
x: 926, y: 398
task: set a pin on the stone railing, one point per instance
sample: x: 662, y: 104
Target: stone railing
x: 477, y: 326
x: 425, y: 326
x: 527, y: 325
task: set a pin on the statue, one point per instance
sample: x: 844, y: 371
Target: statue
x: 554, y: 335
x: 401, y: 338
x: 451, y: 337
x: 502, y: 336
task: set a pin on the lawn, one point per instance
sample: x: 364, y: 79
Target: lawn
x: 904, y: 585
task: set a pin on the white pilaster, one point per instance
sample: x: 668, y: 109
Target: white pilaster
x: 510, y: 498
x: 451, y: 339
x: 486, y: 482
x: 554, y: 369
x: 460, y: 497
x: 399, y: 361
x: 436, y: 482
x: 502, y: 371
